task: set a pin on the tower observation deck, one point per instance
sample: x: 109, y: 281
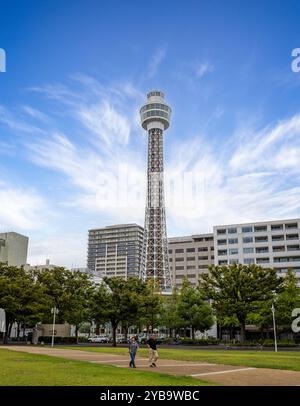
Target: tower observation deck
x: 155, y: 118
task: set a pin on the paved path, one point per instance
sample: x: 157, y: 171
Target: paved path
x: 218, y: 373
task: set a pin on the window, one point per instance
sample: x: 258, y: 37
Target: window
x: 233, y: 261
x: 221, y: 231
x: 275, y: 227
x: 208, y: 238
x: 248, y: 261
x: 261, y: 239
x: 179, y: 259
x: 233, y: 251
x: 262, y: 260
x: 249, y: 250
x: 232, y: 230
x: 190, y: 250
x: 179, y: 268
x: 260, y: 228
x: 222, y: 242
x: 190, y: 258
x: 247, y: 229
x: 170, y: 259
x: 232, y: 240
x: 286, y: 259
x: 247, y: 240
x: 292, y: 236
x: 295, y: 247
x: 190, y: 267
x: 179, y: 251
x: 261, y: 250
x: 222, y: 262
x: 222, y: 252
x: 277, y: 237
x: 279, y: 248
x: 170, y: 251
x: 291, y: 225
x: 202, y: 249
x: 203, y: 258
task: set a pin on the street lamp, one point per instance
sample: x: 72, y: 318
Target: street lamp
x: 274, y: 326
x: 54, y: 311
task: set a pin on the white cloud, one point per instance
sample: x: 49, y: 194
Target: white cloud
x: 155, y: 62
x: 21, y: 209
x: 203, y: 68
x: 247, y: 177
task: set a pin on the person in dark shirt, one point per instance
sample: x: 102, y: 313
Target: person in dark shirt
x: 153, y: 354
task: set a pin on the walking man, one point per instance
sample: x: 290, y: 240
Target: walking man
x: 133, y: 347
x: 153, y: 354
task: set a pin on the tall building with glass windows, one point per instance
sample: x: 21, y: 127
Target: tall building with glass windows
x: 271, y: 244
x: 115, y: 250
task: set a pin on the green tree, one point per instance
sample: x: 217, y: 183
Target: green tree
x: 170, y: 317
x: 21, y: 296
x: 78, y: 293
x: 119, y: 301
x: 195, y: 312
x: 152, y: 305
x: 239, y: 290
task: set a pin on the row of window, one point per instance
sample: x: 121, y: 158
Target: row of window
x: 182, y: 268
x: 187, y: 250
x: 259, y: 250
x: 152, y: 106
x: 202, y: 258
x: 247, y: 240
x: 251, y: 229
x: 264, y: 260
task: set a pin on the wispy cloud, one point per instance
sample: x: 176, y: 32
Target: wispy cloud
x: 21, y: 209
x: 155, y: 62
x: 247, y: 177
x: 203, y: 69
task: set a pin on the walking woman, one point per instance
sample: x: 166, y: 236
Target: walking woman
x: 133, y: 347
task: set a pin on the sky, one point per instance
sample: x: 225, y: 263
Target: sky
x: 73, y: 155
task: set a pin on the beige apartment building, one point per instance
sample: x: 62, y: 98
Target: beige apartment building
x: 190, y: 256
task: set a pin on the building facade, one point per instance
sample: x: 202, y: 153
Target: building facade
x: 271, y: 244
x: 13, y: 248
x: 115, y: 250
x: 190, y: 256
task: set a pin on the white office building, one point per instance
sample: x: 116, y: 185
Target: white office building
x: 271, y: 244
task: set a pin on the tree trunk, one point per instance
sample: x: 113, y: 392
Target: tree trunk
x: 76, y: 333
x: 193, y: 333
x: 243, y: 331
x: 114, y: 330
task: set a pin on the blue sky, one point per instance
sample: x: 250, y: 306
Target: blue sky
x: 77, y: 73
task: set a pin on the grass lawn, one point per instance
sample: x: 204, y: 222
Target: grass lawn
x: 19, y: 368
x: 259, y: 359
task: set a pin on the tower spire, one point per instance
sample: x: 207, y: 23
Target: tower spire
x: 155, y: 118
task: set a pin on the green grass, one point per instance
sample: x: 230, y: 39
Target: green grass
x: 259, y: 359
x: 22, y: 369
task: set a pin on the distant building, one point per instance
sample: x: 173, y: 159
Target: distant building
x: 271, y: 244
x: 96, y: 277
x: 47, y: 265
x: 13, y: 248
x: 190, y: 256
x: 116, y: 250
